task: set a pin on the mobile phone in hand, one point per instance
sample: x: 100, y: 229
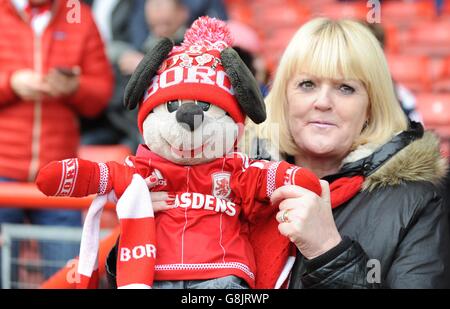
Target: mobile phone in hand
x: 69, y: 72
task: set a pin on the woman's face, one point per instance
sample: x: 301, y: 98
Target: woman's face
x: 325, y: 116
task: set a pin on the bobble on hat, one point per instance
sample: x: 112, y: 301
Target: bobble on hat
x: 208, y: 32
x: 194, y: 71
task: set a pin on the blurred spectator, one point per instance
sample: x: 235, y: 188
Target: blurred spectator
x: 211, y: 8
x: 248, y: 45
x: 196, y: 8
x: 163, y: 18
x: 138, y: 28
x: 166, y: 18
x: 439, y: 6
x: 405, y: 97
x: 115, y: 125
x: 52, y: 68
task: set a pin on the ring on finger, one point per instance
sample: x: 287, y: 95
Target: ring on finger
x: 284, y: 216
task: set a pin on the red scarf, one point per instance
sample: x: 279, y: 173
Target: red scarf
x: 272, y: 250
x: 343, y: 189
x: 136, y: 251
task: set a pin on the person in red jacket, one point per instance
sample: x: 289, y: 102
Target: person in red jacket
x: 53, y: 68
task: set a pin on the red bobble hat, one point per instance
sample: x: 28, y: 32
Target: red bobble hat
x: 194, y: 71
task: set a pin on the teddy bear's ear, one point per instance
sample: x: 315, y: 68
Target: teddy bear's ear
x: 247, y: 91
x: 145, y: 71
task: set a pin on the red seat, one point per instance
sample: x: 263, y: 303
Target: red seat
x: 411, y: 71
x: 318, y: 6
x: 275, y: 44
x: 446, y: 9
x: 441, y: 74
x: 435, y: 110
x: 353, y: 10
x: 104, y: 153
x: 239, y: 11
x: 392, y: 38
x: 429, y: 38
x: 280, y: 16
x: 406, y: 13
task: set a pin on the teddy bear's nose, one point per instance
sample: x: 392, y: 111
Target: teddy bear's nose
x: 190, y: 114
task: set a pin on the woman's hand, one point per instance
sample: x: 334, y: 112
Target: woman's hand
x: 306, y: 219
x: 162, y: 201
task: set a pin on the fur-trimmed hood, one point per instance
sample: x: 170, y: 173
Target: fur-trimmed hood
x: 412, y: 155
x: 419, y: 161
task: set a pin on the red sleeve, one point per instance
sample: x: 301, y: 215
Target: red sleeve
x: 249, y: 183
x: 96, y: 80
x: 282, y: 173
x: 6, y: 93
x: 78, y: 178
x: 258, y: 179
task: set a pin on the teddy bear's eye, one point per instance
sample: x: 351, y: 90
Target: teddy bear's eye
x: 172, y: 105
x: 203, y: 105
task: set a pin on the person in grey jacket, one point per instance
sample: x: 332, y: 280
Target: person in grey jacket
x: 332, y: 109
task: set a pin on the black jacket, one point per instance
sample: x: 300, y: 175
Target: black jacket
x: 396, y: 230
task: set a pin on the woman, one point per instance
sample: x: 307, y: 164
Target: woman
x: 333, y: 101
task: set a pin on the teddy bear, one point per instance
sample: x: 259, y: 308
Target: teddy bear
x: 193, y: 101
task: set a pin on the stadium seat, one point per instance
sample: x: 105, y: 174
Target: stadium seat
x: 103, y: 153
x: 392, y: 38
x: 411, y: 71
x: 435, y: 110
x: 405, y: 13
x: 441, y: 75
x: 318, y: 5
x: 429, y: 38
x: 239, y: 11
x: 352, y: 10
x: 275, y: 46
x: 446, y: 9
x: 280, y: 16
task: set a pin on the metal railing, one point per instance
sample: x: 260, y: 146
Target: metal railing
x: 12, y: 233
x: 26, y: 195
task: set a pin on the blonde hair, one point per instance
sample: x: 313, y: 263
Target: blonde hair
x: 336, y: 49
